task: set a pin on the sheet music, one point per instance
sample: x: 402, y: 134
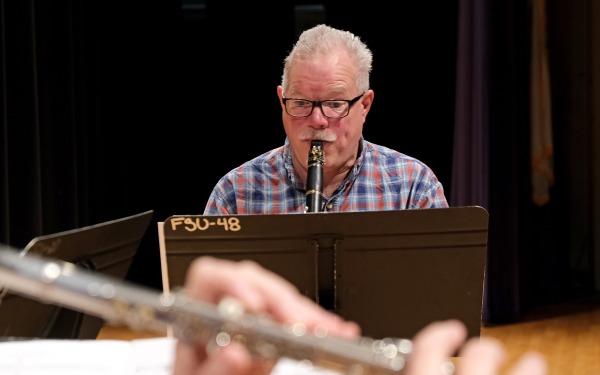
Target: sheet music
x: 152, y: 356
x: 286, y: 366
x: 87, y: 357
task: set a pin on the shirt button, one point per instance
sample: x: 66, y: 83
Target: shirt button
x: 329, y: 206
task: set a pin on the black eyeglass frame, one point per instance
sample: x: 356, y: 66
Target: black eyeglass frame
x: 318, y: 103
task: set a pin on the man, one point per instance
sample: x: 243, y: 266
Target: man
x: 325, y: 95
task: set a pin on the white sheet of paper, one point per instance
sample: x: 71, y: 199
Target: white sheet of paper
x: 152, y: 356
x: 87, y: 357
x: 286, y: 366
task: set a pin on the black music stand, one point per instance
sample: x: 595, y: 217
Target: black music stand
x: 108, y: 248
x: 393, y: 272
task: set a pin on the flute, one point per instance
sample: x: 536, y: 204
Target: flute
x: 314, y: 178
x: 65, y: 284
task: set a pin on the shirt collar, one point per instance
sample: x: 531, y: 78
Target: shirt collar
x: 297, y: 182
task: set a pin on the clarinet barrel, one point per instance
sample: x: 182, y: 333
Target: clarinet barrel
x: 314, y: 181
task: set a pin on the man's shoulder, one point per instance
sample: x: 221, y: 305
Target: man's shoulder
x: 391, y: 157
x: 378, y: 150
x: 270, y: 158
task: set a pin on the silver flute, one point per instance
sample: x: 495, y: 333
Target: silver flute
x: 117, y: 302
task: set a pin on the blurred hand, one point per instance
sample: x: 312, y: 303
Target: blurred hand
x: 260, y: 291
x: 436, y: 343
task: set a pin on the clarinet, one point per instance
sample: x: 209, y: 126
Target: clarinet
x: 119, y: 302
x: 314, y: 180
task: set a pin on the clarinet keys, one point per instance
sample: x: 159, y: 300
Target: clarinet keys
x: 314, y: 179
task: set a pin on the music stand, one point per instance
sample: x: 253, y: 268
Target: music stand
x: 107, y: 247
x: 392, y: 272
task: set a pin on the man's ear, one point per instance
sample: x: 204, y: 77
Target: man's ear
x: 280, y: 94
x: 367, y: 100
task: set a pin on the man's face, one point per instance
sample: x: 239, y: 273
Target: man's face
x: 328, y: 77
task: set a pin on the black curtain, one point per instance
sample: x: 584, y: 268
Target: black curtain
x: 528, y: 259
x: 110, y: 108
x: 79, y: 142
x: 508, y: 184
x: 42, y: 79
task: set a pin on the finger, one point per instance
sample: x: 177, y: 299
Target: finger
x: 434, y: 345
x: 187, y: 358
x: 481, y: 356
x: 193, y: 360
x: 300, y: 308
x: 530, y: 364
x: 283, y: 302
x: 211, y: 279
x: 261, y: 291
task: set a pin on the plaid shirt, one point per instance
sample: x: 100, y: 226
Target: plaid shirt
x: 381, y: 179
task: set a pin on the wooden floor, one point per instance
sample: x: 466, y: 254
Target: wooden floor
x: 568, y: 335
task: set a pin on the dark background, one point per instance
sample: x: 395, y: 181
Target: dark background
x: 193, y: 94
x: 111, y: 108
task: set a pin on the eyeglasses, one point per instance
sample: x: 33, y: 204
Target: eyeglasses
x: 330, y: 108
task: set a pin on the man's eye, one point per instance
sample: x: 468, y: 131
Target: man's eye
x: 335, y: 104
x: 302, y: 103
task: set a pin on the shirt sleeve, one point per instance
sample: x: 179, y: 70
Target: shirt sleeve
x: 222, y: 199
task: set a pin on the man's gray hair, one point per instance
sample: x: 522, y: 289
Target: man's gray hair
x: 321, y: 40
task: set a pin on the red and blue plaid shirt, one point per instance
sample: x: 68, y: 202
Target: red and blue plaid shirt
x: 381, y: 179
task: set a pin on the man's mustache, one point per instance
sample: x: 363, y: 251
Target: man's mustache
x: 318, y: 135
